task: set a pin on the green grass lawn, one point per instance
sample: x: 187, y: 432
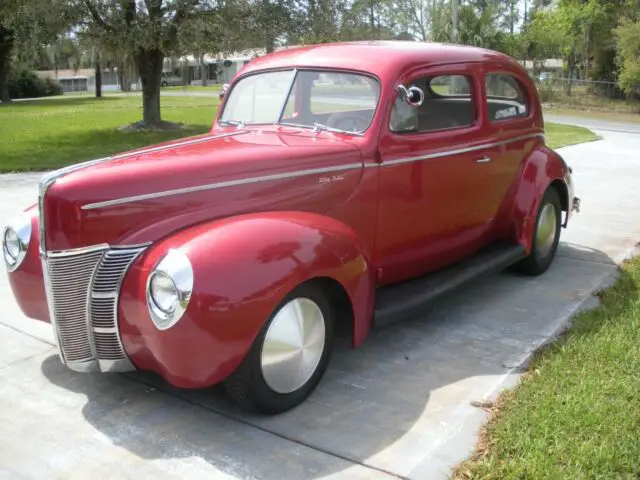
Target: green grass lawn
x: 54, y: 132
x: 44, y: 134
x: 559, y: 135
x: 576, y: 414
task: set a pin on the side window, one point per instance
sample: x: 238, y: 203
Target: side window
x: 448, y: 104
x: 333, y: 92
x: 506, y: 97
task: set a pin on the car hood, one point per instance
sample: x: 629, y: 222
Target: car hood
x: 144, y: 194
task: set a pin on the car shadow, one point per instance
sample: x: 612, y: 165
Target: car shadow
x: 388, y: 405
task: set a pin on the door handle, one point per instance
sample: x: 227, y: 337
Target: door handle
x: 483, y: 160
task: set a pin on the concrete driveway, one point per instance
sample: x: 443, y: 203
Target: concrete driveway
x: 400, y: 407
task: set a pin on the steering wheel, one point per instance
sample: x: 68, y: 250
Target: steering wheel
x: 347, y: 121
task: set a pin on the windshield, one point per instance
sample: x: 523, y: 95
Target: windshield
x: 325, y: 100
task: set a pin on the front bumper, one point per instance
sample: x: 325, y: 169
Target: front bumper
x: 575, y: 207
x: 573, y: 201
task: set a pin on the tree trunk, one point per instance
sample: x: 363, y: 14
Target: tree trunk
x: 372, y: 18
x: 149, y: 64
x: 204, y: 71
x: 6, y: 47
x: 270, y: 42
x: 98, y: 77
x: 126, y: 74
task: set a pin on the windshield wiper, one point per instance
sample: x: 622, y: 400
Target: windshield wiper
x: 316, y: 127
x: 235, y: 123
x: 320, y: 126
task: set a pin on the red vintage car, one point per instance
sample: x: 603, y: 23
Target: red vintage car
x: 342, y: 186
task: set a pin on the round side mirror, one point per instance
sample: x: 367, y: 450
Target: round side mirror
x: 225, y: 87
x: 414, y: 96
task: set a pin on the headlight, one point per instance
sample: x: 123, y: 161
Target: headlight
x: 15, y: 241
x: 169, y: 289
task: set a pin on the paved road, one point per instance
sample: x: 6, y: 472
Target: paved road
x: 397, y: 408
x: 595, y: 124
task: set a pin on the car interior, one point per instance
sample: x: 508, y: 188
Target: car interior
x: 454, y: 108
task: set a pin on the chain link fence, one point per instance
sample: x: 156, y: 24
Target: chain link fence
x: 589, y: 95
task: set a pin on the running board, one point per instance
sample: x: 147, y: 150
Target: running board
x: 399, y: 301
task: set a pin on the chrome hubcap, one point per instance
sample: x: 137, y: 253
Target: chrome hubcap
x: 546, y: 232
x: 293, y: 345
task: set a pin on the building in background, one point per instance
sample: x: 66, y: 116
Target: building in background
x: 82, y: 80
x: 185, y: 70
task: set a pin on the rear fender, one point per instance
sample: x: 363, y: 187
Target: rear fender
x: 243, y: 268
x: 542, y: 169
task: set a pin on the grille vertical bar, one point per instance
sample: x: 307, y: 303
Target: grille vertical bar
x: 104, y: 307
x: 70, y: 280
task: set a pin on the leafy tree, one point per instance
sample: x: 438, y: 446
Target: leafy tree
x: 149, y: 31
x: 24, y: 26
x: 628, y: 38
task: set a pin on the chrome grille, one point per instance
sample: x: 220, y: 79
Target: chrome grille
x: 102, y: 312
x: 83, y: 290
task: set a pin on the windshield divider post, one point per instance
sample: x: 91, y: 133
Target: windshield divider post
x: 286, y: 98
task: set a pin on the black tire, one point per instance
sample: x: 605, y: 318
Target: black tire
x: 247, y: 386
x: 164, y: 84
x: 538, y: 262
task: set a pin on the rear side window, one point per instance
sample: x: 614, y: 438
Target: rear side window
x: 448, y: 104
x: 506, y: 97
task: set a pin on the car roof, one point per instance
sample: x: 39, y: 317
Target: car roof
x: 378, y: 57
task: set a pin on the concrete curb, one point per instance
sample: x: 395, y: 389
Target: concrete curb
x: 460, y: 446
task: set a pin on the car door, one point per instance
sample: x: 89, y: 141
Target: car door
x: 512, y: 130
x: 433, y: 176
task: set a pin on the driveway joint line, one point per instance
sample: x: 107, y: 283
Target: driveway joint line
x: 20, y: 360
x: 265, y: 430
x: 11, y: 327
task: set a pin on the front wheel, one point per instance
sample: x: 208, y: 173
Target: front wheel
x: 289, y: 356
x: 546, y: 235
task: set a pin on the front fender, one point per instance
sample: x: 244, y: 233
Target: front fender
x: 543, y: 167
x: 27, y: 281
x: 243, y: 267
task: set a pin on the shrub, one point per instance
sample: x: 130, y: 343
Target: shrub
x: 24, y: 83
x: 53, y: 86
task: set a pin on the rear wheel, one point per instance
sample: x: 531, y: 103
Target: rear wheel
x: 289, y: 356
x: 546, y: 235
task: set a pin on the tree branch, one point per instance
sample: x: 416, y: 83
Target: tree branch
x: 129, y: 7
x: 183, y: 9
x: 96, y: 16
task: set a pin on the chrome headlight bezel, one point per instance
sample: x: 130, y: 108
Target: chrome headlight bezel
x: 176, y: 267
x: 21, y: 228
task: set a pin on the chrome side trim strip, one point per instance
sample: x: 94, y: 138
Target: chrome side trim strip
x: 458, y: 151
x: 50, y: 178
x: 212, y: 186
x: 301, y: 173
